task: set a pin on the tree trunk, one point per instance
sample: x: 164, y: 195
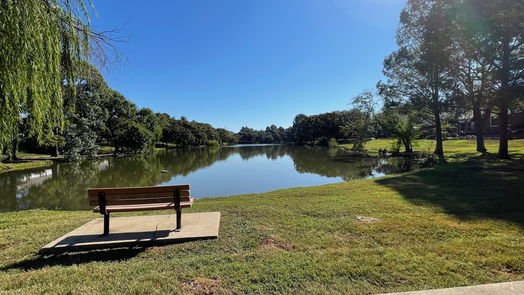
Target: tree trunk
x: 479, y: 129
x: 11, y: 151
x: 407, y: 146
x: 504, y: 101
x: 15, y: 150
x: 503, y: 139
x: 439, y: 148
x: 55, y: 152
x: 56, y: 148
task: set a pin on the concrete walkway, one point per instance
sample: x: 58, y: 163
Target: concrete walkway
x: 509, y: 288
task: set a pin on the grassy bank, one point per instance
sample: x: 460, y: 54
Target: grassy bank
x: 452, y: 148
x: 6, y: 167
x: 457, y: 224
x: 27, y: 161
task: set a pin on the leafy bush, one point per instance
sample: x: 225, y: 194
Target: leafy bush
x: 212, y: 143
x: 132, y: 137
x: 79, y: 141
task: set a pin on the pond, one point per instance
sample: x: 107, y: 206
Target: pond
x: 211, y: 172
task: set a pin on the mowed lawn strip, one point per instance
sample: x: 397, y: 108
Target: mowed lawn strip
x: 7, y: 167
x: 454, y: 225
x: 452, y: 148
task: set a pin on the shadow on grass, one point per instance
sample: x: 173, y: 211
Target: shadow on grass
x: 66, y: 259
x: 96, y: 253
x: 476, y: 188
x: 123, y: 239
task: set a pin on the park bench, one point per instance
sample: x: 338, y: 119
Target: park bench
x: 128, y: 199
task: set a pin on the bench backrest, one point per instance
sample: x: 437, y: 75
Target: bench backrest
x: 138, y: 195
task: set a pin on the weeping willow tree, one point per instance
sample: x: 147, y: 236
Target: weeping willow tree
x: 40, y: 41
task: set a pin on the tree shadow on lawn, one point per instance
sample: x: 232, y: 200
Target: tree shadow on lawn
x: 473, y: 189
x: 67, y: 259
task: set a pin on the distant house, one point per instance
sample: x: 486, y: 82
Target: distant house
x: 466, y: 125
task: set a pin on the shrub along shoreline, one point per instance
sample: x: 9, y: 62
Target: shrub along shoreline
x: 453, y: 225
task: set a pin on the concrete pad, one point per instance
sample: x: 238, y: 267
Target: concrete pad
x: 137, y: 231
x: 509, y: 288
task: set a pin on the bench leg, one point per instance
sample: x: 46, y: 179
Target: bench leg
x: 106, y: 224
x: 178, y: 219
x: 178, y: 209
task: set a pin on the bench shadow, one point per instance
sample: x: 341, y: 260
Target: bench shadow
x: 473, y: 189
x: 67, y: 259
x: 81, y: 249
x: 133, y: 237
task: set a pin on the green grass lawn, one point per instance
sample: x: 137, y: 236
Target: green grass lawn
x: 6, y: 167
x: 457, y: 224
x: 452, y: 148
x: 27, y: 155
x: 106, y: 149
x: 27, y: 161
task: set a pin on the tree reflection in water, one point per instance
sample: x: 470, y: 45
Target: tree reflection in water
x: 63, y: 186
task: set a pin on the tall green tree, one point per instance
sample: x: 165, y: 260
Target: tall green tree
x: 119, y: 109
x: 506, y: 32
x: 132, y: 137
x: 164, y: 120
x: 150, y: 121
x: 361, y: 126
x: 418, y: 71
x: 402, y: 124
x: 226, y: 136
x: 39, y: 43
x: 319, y: 129
x: 85, y: 113
x: 472, y: 67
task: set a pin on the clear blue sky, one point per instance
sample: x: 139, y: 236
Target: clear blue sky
x: 235, y: 63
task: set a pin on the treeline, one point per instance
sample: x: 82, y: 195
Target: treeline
x: 339, y: 125
x: 184, y: 133
x: 96, y: 115
x: 313, y: 130
x: 272, y: 134
x: 53, y: 100
x: 453, y: 58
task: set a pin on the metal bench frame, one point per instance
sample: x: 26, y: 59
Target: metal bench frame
x: 102, y: 203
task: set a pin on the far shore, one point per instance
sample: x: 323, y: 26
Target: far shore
x: 454, y: 149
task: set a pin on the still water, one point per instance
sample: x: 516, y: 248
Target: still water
x: 210, y: 172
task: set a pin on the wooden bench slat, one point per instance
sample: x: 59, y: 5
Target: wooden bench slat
x: 137, y: 190
x: 93, y: 199
x: 157, y: 206
x: 143, y: 201
x: 139, y: 194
